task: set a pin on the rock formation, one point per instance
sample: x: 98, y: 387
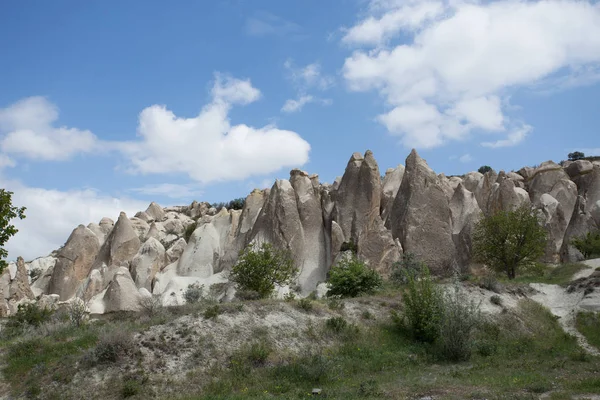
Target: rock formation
x: 411, y: 209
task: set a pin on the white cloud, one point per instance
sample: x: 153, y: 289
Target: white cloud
x: 292, y: 105
x: 207, y: 147
x: 515, y: 137
x: 375, y: 30
x: 266, y: 24
x: 28, y: 131
x: 295, y: 105
x: 457, y: 66
x: 171, y: 190
x: 465, y: 158
x: 51, y: 215
x: 309, y: 76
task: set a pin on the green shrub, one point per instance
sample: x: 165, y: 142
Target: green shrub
x: 336, y: 324
x: 459, y: 317
x: 194, y: 293
x: 260, y: 269
x: 489, y: 282
x: 235, y: 204
x: 335, y: 304
x: 576, y: 155
x: 152, y: 305
x: 351, y: 278
x: 189, y: 231
x: 588, y: 244
x: 29, y: 314
x: 130, y: 388
x: 112, y: 346
x: 408, y: 266
x: 77, y: 311
x: 212, y: 312
x: 496, y: 300
x: 259, y: 352
x: 588, y: 323
x: 423, y: 303
x: 349, y: 246
x: 484, y: 168
x: 290, y: 296
x: 305, y: 304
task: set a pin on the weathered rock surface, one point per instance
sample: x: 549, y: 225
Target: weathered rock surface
x: 411, y: 209
x: 421, y: 216
x: 74, y: 262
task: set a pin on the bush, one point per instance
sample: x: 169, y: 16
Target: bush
x: 349, y: 246
x: 29, y: 314
x: 336, y: 324
x: 189, y: 231
x: 235, y: 204
x: 496, y: 300
x: 260, y: 269
x: 508, y: 240
x: 588, y: 244
x: 212, y: 312
x: 576, y: 155
x: 305, y: 304
x: 112, y: 346
x: 77, y: 311
x: 259, y: 352
x: 351, y: 278
x: 408, y: 266
x: 423, y: 307
x: 489, y: 282
x: 194, y: 293
x: 459, y: 317
x: 484, y: 168
x: 152, y: 305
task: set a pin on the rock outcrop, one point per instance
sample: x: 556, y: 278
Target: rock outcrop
x: 411, y: 209
x: 421, y: 217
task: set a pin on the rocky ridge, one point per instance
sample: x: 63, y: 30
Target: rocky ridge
x: 111, y: 265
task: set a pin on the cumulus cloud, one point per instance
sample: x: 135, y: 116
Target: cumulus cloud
x: 267, y: 24
x: 459, y: 60
x: 171, y: 190
x: 28, y: 130
x: 305, y: 79
x: 465, y: 158
x: 53, y: 214
x: 207, y: 147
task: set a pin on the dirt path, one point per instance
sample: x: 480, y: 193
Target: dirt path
x: 566, y: 305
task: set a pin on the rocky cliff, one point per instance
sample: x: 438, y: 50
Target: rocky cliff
x: 411, y: 209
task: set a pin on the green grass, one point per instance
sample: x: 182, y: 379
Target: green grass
x: 541, y: 273
x: 33, y: 363
x: 588, y: 323
x: 521, y: 356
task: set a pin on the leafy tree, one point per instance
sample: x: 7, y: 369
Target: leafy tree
x: 576, y: 155
x: 588, y: 244
x: 351, y: 277
x: 8, y: 212
x: 260, y: 269
x: 508, y: 240
x: 235, y: 204
x: 484, y: 168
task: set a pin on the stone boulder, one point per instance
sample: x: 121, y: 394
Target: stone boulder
x: 579, y: 167
x: 471, y: 181
x: 465, y: 213
x: 544, y: 178
x: 421, y: 216
x: 124, y: 241
x: 357, y: 212
x: 74, y: 262
x: 121, y: 293
x: 175, y: 251
x: 19, y: 287
x: 484, y: 190
x: 148, y: 261
x: 505, y: 196
x: 555, y: 223
x: 581, y: 223
x: 391, y: 184
x: 155, y: 212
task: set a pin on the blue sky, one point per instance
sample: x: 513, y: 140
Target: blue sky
x: 110, y: 105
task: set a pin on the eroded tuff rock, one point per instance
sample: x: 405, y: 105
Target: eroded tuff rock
x: 421, y: 216
x: 74, y: 262
x: 412, y: 209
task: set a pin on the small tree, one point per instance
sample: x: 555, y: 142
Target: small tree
x: 576, y: 155
x: 508, y: 240
x: 260, y: 269
x: 8, y: 212
x: 423, y: 303
x: 351, y: 278
x: 588, y: 244
x: 484, y: 168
